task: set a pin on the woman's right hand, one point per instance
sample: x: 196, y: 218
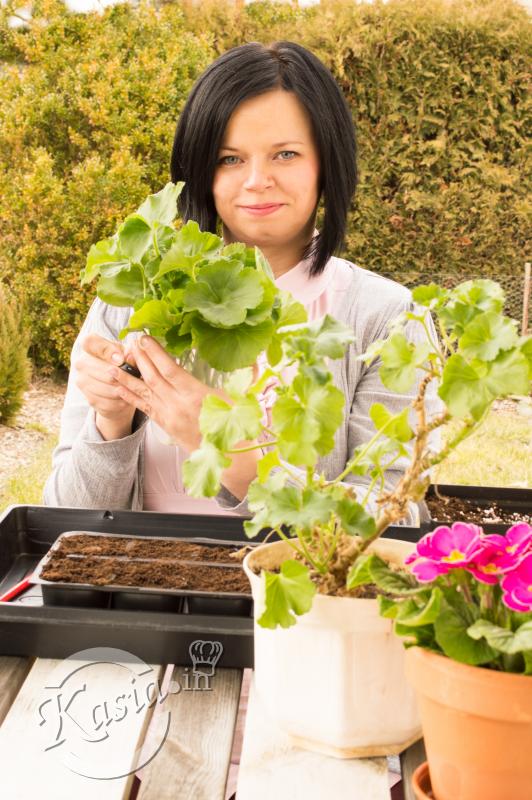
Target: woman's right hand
x: 114, y: 416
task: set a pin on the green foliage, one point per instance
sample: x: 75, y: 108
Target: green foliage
x: 15, y: 367
x: 288, y: 593
x: 191, y: 292
x: 480, y: 358
x: 90, y: 102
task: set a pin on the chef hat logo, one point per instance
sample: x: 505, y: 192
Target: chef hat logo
x: 205, y: 655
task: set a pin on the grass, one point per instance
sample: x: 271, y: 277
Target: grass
x: 27, y: 485
x: 498, y: 454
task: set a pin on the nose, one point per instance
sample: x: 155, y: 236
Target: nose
x: 258, y: 175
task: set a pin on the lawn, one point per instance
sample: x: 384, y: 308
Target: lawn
x: 498, y: 454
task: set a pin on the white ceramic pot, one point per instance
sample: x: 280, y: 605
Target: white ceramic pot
x: 335, y: 680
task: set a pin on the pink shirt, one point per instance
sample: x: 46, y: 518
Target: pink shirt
x: 163, y: 483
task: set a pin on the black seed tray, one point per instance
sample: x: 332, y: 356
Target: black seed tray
x: 28, y: 627
x: 144, y: 598
x: 510, y: 500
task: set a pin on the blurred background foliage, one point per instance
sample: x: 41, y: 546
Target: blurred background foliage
x: 89, y: 103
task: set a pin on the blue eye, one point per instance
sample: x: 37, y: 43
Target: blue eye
x: 224, y: 160
x: 290, y: 153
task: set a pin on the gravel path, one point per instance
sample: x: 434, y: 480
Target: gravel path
x: 38, y: 418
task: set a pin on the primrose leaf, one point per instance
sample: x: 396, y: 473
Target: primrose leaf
x: 288, y: 594
x: 397, y: 427
x: 370, y: 568
x: 355, y: 519
x: 502, y: 639
x: 224, y: 292
x: 463, y: 390
x: 225, y: 425
x: 451, y: 628
x: 231, y: 348
x: 134, y: 237
x: 400, y: 359
x: 122, y: 288
x: 202, y: 471
x: 411, y: 614
x: 487, y: 335
x: 162, y: 206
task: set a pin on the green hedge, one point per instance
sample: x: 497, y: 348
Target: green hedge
x: 438, y: 91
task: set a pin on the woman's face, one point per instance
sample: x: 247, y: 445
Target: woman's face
x: 266, y: 181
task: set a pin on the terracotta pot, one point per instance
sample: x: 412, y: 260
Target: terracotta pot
x: 335, y: 681
x: 477, y: 725
x: 421, y: 783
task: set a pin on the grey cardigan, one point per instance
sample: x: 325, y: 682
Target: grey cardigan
x: 89, y: 472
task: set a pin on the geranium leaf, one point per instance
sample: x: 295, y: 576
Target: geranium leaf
x: 400, y: 359
x: 397, y: 427
x: 227, y: 424
x: 154, y: 316
x: 355, y: 519
x: 487, y: 335
x: 224, y: 292
x: 288, y: 593
x: 134, y: 237
x: 231, y: 348
x: 463, y: 390
x: 103, y: 252
x: 123, y: 288
x: 162, y: 206
x: 202, y: 471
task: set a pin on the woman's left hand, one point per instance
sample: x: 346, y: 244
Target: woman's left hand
x: 167, y: 393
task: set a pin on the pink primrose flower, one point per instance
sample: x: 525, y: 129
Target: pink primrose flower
x: 500, y: 554
x: 443, y: 549
x: 517, y: 586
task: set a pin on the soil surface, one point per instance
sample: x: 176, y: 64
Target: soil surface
x: 137, y: 547
x: 160, y: 574
x: 454, y: 509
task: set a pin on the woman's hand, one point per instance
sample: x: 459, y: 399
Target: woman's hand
x: 172, y: 398
x: 114, y: 415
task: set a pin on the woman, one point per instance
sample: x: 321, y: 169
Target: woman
x: 265, y: 136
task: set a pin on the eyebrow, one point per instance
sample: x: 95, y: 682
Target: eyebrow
x: 277, y: 144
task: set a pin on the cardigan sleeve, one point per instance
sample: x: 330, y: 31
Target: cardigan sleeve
x: 88, y: 471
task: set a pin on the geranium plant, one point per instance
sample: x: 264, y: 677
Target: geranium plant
x: 330, y: 524
x: 214, y: 306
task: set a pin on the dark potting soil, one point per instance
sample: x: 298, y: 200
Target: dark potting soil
x: 160, y: 574
x: 456, y: 509
x: 83, y: 544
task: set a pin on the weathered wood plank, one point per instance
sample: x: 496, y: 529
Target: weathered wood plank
x: 13, y: 672
x: 76, y: 729
x: 271, y: 767
x: 194, y: 760
x: 410, y: 760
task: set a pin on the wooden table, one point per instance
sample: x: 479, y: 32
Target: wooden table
x: 57, y: 743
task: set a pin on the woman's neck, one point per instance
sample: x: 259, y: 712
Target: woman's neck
x: 281, y: 258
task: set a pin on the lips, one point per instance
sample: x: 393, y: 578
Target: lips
x: 262, y: 209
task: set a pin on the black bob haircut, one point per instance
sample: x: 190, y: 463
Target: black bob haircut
x: 245, y: 72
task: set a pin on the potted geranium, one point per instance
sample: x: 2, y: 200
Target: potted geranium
x: 335, y: 680
x: 468, y: 626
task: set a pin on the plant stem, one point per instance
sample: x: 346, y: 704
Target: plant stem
x: 235, y: 450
